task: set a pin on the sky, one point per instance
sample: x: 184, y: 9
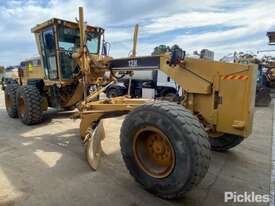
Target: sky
x: 219, y: 25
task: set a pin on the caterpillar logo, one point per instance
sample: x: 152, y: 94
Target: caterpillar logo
x: 234, y: 77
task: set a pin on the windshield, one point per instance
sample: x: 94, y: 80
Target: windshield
x: 69, y: 40
x: 92, y: 42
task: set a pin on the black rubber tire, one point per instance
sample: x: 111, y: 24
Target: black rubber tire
x: 187, y: 137
x: 13, y: 81
x: 225, y: 142
x: 171, y: 97
x: 10, y: 92
x: 33, y: 104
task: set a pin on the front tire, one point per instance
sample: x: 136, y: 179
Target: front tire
x: 165, y: 148
x: 29, y: 105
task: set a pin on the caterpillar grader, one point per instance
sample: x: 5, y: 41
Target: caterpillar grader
x: 165, y: 145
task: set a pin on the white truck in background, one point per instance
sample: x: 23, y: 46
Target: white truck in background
x: 153, y: 84
x: 146, y: 84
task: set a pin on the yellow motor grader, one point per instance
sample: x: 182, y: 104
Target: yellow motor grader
x: 165, y: 145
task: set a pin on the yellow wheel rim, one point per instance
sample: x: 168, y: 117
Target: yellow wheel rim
x: 153, y: 152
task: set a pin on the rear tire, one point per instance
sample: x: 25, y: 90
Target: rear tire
x: 184, y: 138
x: 171, y: 97
x: 29, y: 105
x: 225, y: 142
x: 10, y: 100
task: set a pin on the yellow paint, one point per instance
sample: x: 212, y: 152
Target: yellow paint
x: 30, y: 68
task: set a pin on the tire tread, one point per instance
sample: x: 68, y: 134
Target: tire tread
x: 33, y: 103
x: 199, y: 144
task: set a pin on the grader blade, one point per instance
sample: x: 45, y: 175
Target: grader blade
x: 93, y: 148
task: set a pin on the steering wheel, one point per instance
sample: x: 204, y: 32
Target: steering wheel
x: 69, y: 52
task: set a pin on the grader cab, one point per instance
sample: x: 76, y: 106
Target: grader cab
x: 165, y: 145
x: 57, y: 40
x: 59, y: 82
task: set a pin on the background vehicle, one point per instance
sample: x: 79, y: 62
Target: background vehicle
x: 263, y: 97
x: 10, y: 76
x: 146, y: 84
x: 154, y: 84
x: 27, y: 70
x: 30, y: 69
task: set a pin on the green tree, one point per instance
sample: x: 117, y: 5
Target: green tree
x: 2, y: 69
x: 176, y: 47
x: 161, y: 49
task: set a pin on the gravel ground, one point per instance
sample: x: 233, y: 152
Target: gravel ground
x: 45, y: 165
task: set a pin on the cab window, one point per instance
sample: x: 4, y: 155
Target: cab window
x: 49, y: 53
x: 68, y: 42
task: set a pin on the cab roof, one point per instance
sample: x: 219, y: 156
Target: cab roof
x: 68, y: 24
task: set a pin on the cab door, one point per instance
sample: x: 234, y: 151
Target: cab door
x: 49, y: 53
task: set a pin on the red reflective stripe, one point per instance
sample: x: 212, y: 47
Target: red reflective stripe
x: 234, y: 77
x: 240, y: 77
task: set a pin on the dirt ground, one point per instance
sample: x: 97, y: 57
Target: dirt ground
x: 45, y: 165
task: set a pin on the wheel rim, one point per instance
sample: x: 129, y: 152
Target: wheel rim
x: 8, y: 102
x: 154, y: 152
x: 21, y: 107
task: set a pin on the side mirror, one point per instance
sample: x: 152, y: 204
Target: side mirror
x: 106, y: 48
